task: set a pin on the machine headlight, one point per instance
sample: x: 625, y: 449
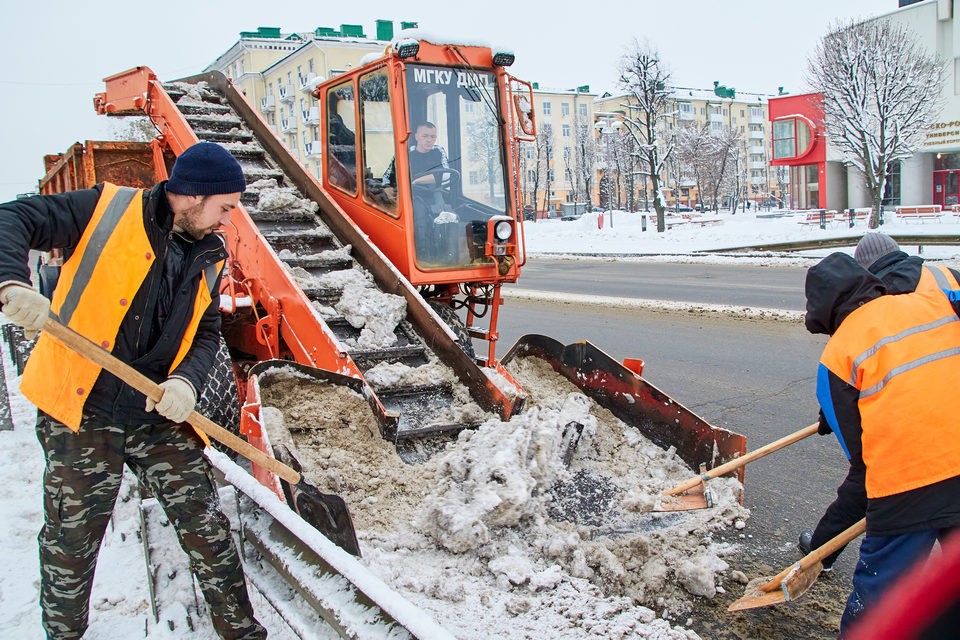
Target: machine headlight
x: 503, y: 230
x: 406, y: 48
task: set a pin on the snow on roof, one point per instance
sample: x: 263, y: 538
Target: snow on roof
x: 454, y: 39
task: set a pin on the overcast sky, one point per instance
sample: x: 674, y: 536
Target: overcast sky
x: 57, y: 52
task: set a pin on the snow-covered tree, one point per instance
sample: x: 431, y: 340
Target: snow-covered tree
x: 881, y: 89
x: 644, y: 76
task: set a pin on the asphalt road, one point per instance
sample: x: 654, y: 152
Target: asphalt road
x: 731, y: 284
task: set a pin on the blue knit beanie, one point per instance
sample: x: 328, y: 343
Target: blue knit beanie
x: 206, y: 169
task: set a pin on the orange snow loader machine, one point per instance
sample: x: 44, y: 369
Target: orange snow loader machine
x: 418, y: 200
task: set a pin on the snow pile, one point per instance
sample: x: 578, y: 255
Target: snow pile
x: 375, y: 313
x: 622, y: 234
x: 480, y: 535
x: 287, y: 200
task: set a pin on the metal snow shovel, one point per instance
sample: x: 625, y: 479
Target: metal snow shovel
x: 694, y: 491
x: 333, y: 518
x: 793, y: 582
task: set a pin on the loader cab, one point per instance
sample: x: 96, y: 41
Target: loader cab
x: 415, y: 153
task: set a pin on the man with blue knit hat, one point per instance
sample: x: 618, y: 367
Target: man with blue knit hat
x: 142, y: 281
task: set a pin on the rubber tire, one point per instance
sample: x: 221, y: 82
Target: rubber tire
x: 220, y: 401
x: 452, y: 320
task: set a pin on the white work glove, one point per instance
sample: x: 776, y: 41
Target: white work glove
x: 177, y: 401
x: 25, y: 307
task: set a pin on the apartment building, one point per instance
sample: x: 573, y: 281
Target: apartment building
x: 277, y: 71
x: 710, y: 110
x: 557, y: 171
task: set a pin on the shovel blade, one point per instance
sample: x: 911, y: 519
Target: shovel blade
x: 325, y: 512
x: 690, y: 500
x: 794, y: 585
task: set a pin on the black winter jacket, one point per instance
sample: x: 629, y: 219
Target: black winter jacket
x: 168, y: 292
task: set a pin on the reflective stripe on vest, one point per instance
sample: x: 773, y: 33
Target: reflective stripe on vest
x: 936, y: 277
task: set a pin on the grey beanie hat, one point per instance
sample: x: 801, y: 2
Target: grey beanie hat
x: 872, y: 247
x: 206, y: 169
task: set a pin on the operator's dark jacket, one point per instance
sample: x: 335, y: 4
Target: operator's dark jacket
x: 835, y: 288
x: 152, y: 329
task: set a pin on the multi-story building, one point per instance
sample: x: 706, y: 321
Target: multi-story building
x: 277, y: 71
x: 559, y: 168
x: 709, y: 111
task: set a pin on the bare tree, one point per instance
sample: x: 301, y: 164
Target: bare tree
x: 545, y: 160
x: 783, y: 182
x: 727, y: 155
x: 881, y: 89
x: 644, y: 76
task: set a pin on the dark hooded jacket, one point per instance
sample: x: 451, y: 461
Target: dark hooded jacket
x: 899, y: 272
x: 835, y: 288
x: 152, y: 329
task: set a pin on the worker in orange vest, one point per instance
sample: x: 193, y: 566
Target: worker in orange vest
x: 142, y: 282
x: 886, y: 388
x: 880, y: 255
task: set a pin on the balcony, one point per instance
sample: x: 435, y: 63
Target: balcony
x: 716, y: 117
x: 757, y: 149
x: 268, y: 104
x: 308, y: 83
x: 756, y: 118
x: 313, y: 149
x: 758, y: 180
x: 311, y: 116
x: 288, y: 125
x: 758, y: 165
x: 286, y: 93
x: 756, y: 135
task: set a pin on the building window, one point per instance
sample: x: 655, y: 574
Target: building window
x: 564, y: 108
x: 546, y: 108
x: 791, y: 138
x: 583, y: 110
x: 566, y: 154
x: 566, y: 131
x: 891, y: 188
x: 531, y: 175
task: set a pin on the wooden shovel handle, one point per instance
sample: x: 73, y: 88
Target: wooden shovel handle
x: 817, y: 555
x: 750, y: 456
x: 152, y: 390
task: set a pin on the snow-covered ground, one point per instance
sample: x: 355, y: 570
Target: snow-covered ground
x: 120, y: 605
x: 622, y: 235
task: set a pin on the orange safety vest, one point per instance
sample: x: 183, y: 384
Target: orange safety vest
x: 902, y: 353
x: 938, y: 277
x: 112, y: 259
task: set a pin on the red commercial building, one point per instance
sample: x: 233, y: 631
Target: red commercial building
x: 800, y: 144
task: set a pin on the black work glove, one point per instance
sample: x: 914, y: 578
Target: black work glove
x: 824, y: 427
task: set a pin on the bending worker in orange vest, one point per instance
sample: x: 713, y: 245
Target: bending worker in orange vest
x: 886, y: 386
x: 143, y: 282
x: 879, y: 254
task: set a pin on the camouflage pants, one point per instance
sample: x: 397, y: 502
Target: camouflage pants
x: 80, y: 486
